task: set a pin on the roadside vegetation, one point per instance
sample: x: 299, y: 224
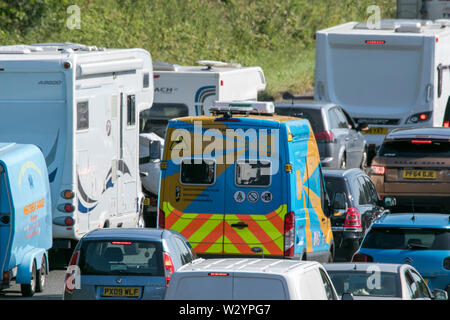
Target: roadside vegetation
x: 274, y: 34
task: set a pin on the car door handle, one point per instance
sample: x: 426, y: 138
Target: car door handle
x: 240, y: 225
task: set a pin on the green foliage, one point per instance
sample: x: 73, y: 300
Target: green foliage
x: 274, y: 34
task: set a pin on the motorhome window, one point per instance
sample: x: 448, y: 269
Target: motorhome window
x: 82, y: 115
x: 131, y: 110
x: 253, y: 173
x: 146, y: 80
x: 197, y: 173
x: 314, y: 116
x: 157, y: 117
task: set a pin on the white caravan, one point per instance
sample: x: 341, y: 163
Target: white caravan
x: 187, y: 91
x: 394, y: 76
x: 423, y: 9
x: 80, y: 105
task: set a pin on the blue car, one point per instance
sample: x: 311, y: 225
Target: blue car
x: 421, y: 240
x: 131, y: 264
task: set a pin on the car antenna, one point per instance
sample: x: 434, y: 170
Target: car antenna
x: 414, y: 216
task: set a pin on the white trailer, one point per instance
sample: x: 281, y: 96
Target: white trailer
x: 423, y: 9
x: 187, y: 91
x: 80, y: 105
x: 395, y: 76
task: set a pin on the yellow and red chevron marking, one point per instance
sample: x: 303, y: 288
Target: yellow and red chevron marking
x: 213, y: 233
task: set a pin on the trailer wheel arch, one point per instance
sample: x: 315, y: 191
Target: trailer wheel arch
x: 25, y: 268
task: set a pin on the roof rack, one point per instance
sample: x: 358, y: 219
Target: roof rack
x: 242, y: 107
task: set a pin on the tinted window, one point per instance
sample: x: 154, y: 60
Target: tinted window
x: 197, y: 173
x: 131, y: 110
x: 327, y: 285
x: 157, y: 117
x: 372, y: 192
x: 333, y: 186
x: 362, y: 283
x: 314, y: 116
x: 406, y: 148
x: 422, y: 289
x: 258, y: 289
x: 82, y: 115
x: 359, y: 191
x: 121, y: 257
x: 411, y: 238
x: 255, y: 173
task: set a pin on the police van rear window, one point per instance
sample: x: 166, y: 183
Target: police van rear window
x: 253, y: 173
x: 198, y: 172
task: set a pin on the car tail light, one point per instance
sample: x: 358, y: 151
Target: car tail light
x: 447, y: 263
x: 6, y: 278
x: 161, y: 219
x: 69, y: 284
x: 126, y: 243
x: 421, y: 141
x: 361, y: 257
x: 289, y: 234
x: 324, y: 136
x: 218, y: 274
x: 69, y: 221
x: 378, y: 170
x: 419, y: 117
x: 168, y: 267
x: 352, y: 219
x: 69, y: 207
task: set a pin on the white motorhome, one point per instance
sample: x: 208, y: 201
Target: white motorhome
x: 80, y: 105
x: 394, y: 76
x: 187, y: 91
x: 423, y: 9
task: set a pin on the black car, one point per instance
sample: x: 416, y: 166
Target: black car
x: 355, y: 204
x: 341, y: 144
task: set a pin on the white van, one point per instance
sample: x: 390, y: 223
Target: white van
x: 80, y: 105
x: 395, y: 76
x: 251, y: 279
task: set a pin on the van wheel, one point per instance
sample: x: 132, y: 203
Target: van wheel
x: 41, y: 275
x: 28, y: 290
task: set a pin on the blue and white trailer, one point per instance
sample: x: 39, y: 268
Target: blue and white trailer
x: 25, y: 217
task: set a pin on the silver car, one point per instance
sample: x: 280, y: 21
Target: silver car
x: 380, y: 281
x: 341, y: 144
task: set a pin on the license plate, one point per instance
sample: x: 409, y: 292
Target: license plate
x: 419, y: 174
x: 120, y: 292
x: 376, y: 131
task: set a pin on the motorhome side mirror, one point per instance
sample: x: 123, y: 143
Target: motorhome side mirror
x: 155, y: 150
x: 439, y: 294
x: 347, y: 296
x: 389, y: 202
x: 339, y: 202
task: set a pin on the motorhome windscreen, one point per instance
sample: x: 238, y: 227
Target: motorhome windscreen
x: 157, y: 117
x: 197, y: 171
x: 415, y: 148
x: 253, y: 173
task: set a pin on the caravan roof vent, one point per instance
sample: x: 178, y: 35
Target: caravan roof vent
x: 443, y: 22
x: 19, y: 49
x: 243, y: 107
x: 218, y: 64
x: 410, y: 27
x: 164, y: 66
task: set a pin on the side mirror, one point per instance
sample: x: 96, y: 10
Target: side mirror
x: 155, y: 150
x: 362, y: 126
x: 347, y: 296
x: 439, y: 294
x: 389, y: 202
x: 339, y: 202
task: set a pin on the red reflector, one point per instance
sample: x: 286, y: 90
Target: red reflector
x: 161, y: 219
x: 375, y: 42
x: 69, y: 221
x: 68, y: 207
x: 289, y: 234
x: 421, y: 141
x: 446, y: 124
x: 218, y: 274
x: 378, y: 170
x: 121, y: 242
x: 221, y: 83
x: 423, y: 116
x: 156, y: 76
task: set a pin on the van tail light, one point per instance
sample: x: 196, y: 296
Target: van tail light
x: 69, y: 283
x: 352, y: 219
x: 447, y: 263
x: 218, y: 274
x: 378, y: 170
x: 161, y: 219
x: 168, y: 267
x: 446, y: 124
x: 361, y: 257
x: 289, y: 234
x: 324, y: 136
